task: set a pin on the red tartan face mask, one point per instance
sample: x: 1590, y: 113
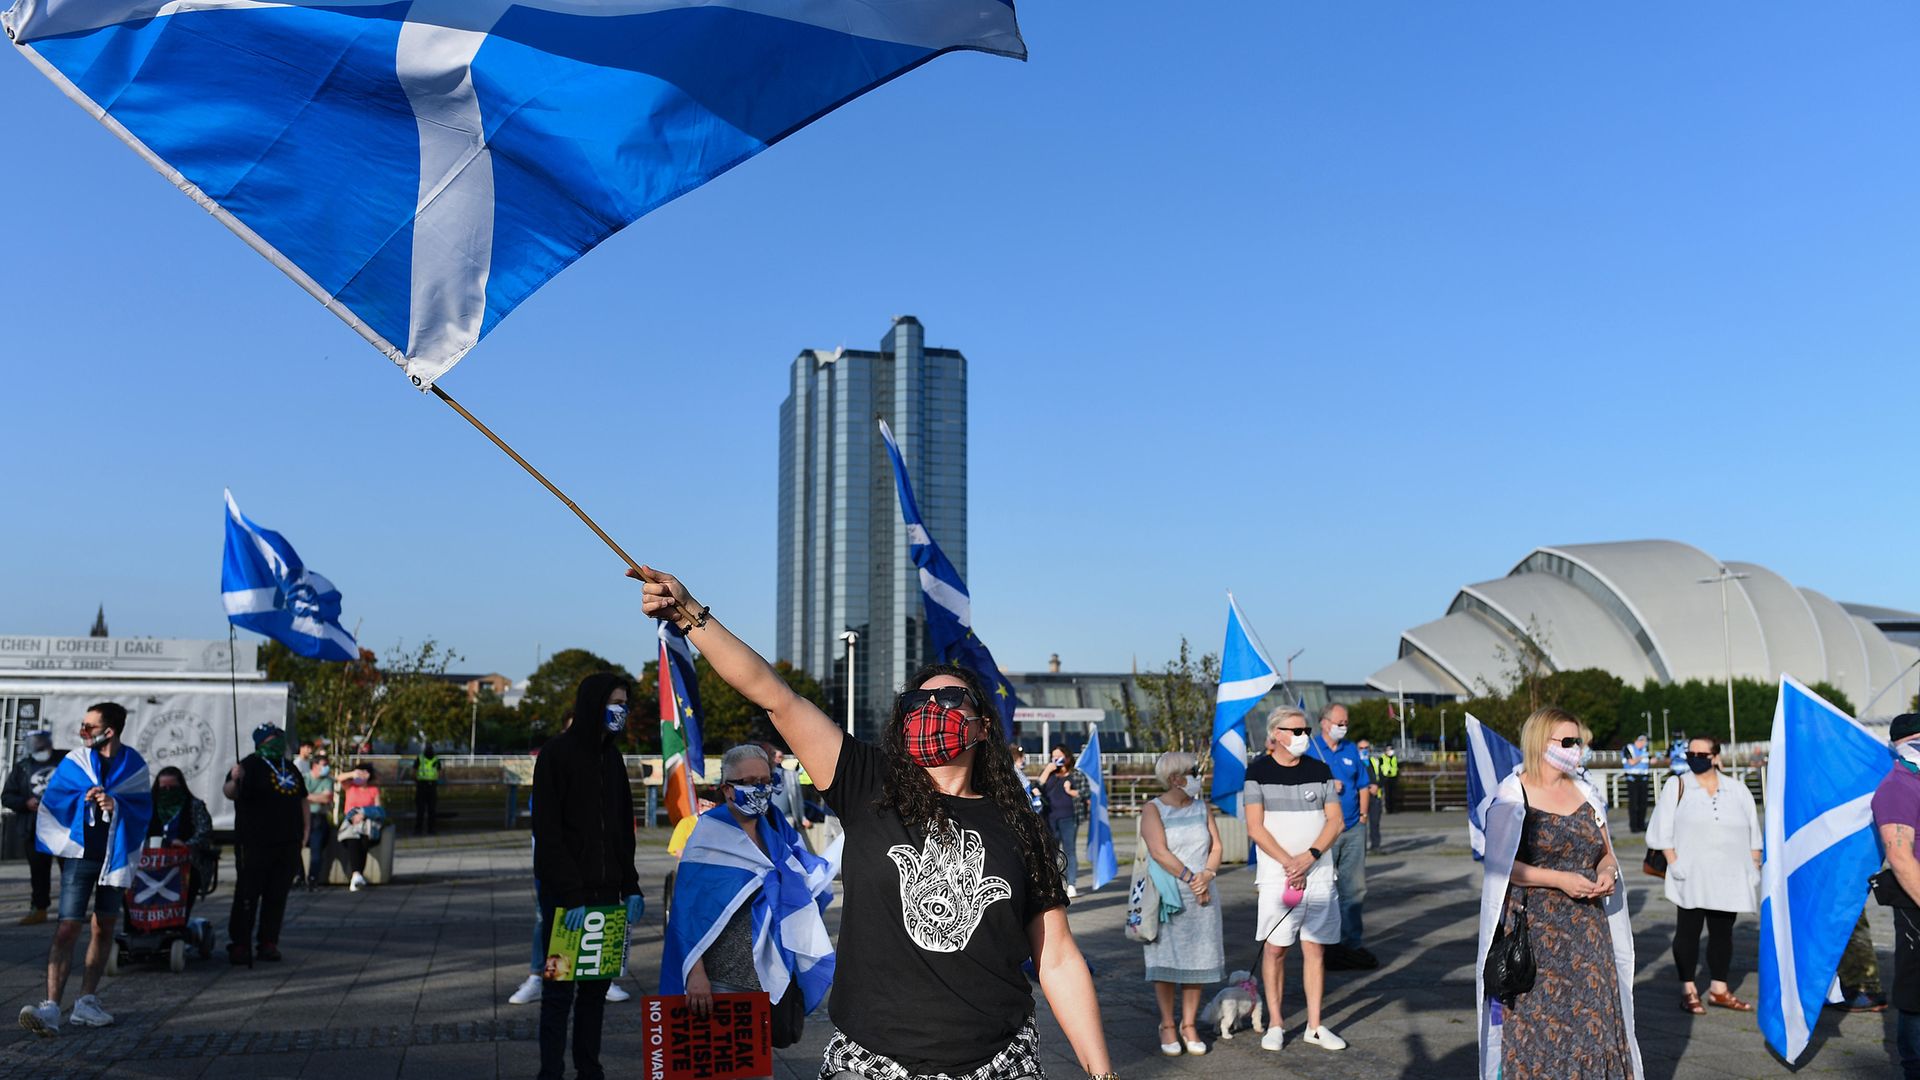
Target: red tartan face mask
x: 936, y: 734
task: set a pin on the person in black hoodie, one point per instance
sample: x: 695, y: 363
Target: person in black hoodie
x: 583, y: 856
x: 22, y: 796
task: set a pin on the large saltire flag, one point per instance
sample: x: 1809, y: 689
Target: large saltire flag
x: 1245, y: 677
x: 1100, y: 852
x: 422, y: 167
x: 682, y: 756
x: 1820, y: 851
x: 948, y: 605
x: 268, y: 590
x: 1490, y: 760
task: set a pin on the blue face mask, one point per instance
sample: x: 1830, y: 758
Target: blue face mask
x: 616, y: 718
x: 753, y: 799
x: 1908, y: 755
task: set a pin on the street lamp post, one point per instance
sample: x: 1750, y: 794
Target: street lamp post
x: 1666, y: 733
x: 852, y: 638
x: 1726, y: 636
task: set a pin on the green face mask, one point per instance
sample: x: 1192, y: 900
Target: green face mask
x: 273, y: 749
x: 170, y: 801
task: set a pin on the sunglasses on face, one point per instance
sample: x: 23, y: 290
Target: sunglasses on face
x: 1294, y: 731
x: 1570, y: 741
x: 949, y: 697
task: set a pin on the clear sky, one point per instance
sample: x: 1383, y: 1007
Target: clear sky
x: 1341, y: 306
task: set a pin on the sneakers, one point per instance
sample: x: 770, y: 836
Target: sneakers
x: 359, y: 882
x: 1324, y: 1038
x: 267, y: 951
x: 529, y: 992
x: 42, y: 1019
x: 1860, y: 1001
x: 33, y: 918
x: 88, y: 1013
x: 239, y: 955
x: 1072, y: 892
x: 1274, y: 1039
x: 616, y: 993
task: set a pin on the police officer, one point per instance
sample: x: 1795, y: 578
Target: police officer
x: 1635, y: 760
x: 25, y: 784
x: 1386, y: 768
x: 426, y: 792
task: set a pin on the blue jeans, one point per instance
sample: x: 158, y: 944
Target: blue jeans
x: 1067, y: 830
x: 317, y: 847
x: 80, y: 879
x: 1349, y: 854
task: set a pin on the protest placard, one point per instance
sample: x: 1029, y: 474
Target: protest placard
x: 592, y: 953
x: 734, y: 1042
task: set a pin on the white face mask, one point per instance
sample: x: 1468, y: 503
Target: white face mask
x: 1191, y: 785
x: 1297, y: 744
x: 1909, y: 751
x: 1336, y: 733
x: 41, y: 757
x: 1568, y: 759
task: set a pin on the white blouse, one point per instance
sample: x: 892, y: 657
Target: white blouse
x: 1714, y: 838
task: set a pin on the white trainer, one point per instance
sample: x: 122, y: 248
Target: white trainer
x: 42, y: 1019
x: 616, y: 993
x: 527, y: 993
x: 1274, y: 1039
x: 359, y: 882
x: 1072, y: 892
x: 88, y: 1013
x: 1324, y: 1038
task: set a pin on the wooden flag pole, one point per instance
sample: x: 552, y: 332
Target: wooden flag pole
x: 535, y: 473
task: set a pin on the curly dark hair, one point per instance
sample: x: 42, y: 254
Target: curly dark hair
x: 909, y: 793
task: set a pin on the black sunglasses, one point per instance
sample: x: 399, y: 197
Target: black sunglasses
x: 949, y: 697
x: 1296, y: 730
x: 1570, y: 741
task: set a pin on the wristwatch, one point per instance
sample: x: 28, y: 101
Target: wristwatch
x: 1315, y: 852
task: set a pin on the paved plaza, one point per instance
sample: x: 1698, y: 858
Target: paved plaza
x: 411, y: 980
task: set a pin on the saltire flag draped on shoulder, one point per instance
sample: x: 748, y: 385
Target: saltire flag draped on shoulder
x: 1820, y: 849
x: 60, y: 825
x: 1106, y: 865
x: 785, y: 890
x: 422, y: 167
x: 1245, y: 677
x: 268, y: 590
x: 1490, y: 759
x: 948, y: 606
x: 682, y: 755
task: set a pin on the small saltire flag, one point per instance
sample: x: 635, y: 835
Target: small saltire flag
x: 1490, y: 759
x: 1820, y: 850
x: 1245, y: 677
x: 948, y: 606
x: 1106, y: 865
x: 268, y: 590
x: 422, y: 167
x: 681, y: 752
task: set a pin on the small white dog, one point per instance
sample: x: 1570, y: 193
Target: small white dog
x: 1241, y: 999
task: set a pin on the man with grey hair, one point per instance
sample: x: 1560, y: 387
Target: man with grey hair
x: 1353, y: 779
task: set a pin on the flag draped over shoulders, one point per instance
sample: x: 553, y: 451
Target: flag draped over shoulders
x: 722, y: 869
x: 60, y: 827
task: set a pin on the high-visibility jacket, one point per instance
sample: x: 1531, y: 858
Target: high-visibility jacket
x: 1386, y: 766
x: 426, y: 770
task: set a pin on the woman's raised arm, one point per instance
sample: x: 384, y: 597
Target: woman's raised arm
x: 814, y: 738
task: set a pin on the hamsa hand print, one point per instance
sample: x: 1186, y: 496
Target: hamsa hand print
x: 944, y: 888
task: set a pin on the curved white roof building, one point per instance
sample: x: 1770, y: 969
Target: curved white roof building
x: 1636, y: 608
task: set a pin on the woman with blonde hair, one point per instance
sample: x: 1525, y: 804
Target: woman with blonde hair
x: 1549, y: 856
x: 1180, y: 837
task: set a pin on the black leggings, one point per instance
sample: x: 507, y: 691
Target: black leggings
x: 1686, y: 943
x: 357, y: 856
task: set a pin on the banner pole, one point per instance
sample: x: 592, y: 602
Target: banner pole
x: 535, y: 473
x: 233, y: 689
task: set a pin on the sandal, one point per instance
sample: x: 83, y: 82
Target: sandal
x: 1194, y: 1045
x: 1728, y: 1001
x: 1690, y: 1002
x: 1170, y: 1048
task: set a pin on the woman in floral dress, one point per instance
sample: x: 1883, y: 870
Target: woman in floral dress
x: 1548, y: 853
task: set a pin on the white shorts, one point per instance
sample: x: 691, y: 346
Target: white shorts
x: 1316, y: 917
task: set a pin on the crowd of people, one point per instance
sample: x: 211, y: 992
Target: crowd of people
x: 957, y: 872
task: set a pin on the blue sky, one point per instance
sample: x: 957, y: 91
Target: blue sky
x: 1340, y: 306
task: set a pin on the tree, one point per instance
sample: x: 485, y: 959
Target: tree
x: 366, y: 700
x: 1175, y: 706
x: 550, y: 691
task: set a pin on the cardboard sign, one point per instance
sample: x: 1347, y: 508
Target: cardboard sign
x: 734, y: 1042
x: 157, y: 899
x: 592, y: 953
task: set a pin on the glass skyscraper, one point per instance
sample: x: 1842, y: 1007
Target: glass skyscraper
x: 843, y: 562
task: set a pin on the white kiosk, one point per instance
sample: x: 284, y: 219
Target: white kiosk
x: 180, y: 706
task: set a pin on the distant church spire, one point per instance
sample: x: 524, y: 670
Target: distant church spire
x: 100, y: 624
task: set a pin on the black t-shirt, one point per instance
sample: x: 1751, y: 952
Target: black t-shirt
x: 269, y: 806
x: 934, y: 928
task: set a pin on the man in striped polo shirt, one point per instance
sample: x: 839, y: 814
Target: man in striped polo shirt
x: 1293, y: 815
